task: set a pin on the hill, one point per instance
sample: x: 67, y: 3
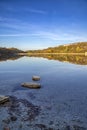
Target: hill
x: 80, y: 47
x: 9, y: 53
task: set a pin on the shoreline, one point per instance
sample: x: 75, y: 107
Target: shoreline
x: 25, y: 54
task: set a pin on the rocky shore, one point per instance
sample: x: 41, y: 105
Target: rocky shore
x: 23, y: 111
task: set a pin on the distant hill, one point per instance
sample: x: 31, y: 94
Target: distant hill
x: 80, y: 47
x: 9, y: 51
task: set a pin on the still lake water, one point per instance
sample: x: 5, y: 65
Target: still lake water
x: 61, y: 101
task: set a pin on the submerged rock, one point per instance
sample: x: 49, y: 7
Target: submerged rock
x: 13, y: 118
x: 36, y: 78
x: 6, y: 128
x: 3, y: 99
x: 31, y: 85
x: 78, y: 128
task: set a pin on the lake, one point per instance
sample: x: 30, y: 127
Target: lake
x: 60, y: 103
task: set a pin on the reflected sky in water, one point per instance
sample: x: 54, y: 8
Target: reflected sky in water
x: 64, y: 86
x: 52, y: 71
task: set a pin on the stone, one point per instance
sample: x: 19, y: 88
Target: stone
x: 36, y: 78
x: 67, y: 128
x: 78, y: 128
x: 6, y: 128
x: 13, y: 118
x: 6, y: 121
x: 3, y: 99
x: 31, y: 85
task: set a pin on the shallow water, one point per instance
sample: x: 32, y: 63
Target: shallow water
x: 60, y: 104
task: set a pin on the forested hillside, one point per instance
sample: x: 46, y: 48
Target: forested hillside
x: 9, y: 51
x: 80, y: 47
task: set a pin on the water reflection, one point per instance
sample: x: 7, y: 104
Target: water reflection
x: 6, y: 57
x: 61, y: 101
x: 75, y: 59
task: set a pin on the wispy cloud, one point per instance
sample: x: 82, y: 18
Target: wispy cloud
x: 10, y: 8
x: 7, y: 19
x: 17, y: 35
x: 48, y: 35
x: 20, y: 28
x: 37, y: 11
x: 16, y: 24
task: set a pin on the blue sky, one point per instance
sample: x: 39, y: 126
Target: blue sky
x: 37, y: 24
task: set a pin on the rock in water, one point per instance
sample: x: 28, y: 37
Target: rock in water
x: 6, y: 128
x: 36, y: 78
x: 13, y: 118
x: 3, y: 99
x: 31, y: 85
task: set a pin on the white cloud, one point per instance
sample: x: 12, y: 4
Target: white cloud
x: 24, y: 29
x: 7, y: 19
x: 21, y: 9
x: 48, y: 35
x: 36, y: 11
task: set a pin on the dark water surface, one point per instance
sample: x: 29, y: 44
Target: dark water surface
x: 60, y: 104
